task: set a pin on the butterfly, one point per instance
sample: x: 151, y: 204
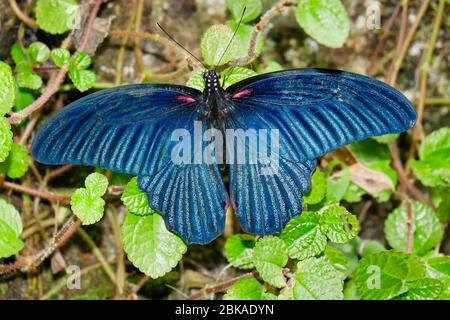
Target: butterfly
x: 147, y: 130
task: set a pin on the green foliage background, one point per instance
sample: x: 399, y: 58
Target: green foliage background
x: 328, y: 252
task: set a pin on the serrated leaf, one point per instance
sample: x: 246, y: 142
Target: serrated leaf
x: 11, y: 217
x: 236, y: 74
x: 245, y: 289
x: 6, y: 138
x: 239, y: 250
x: 318, y: 189
x: 10, y: 244
x: 135, y: 200
x: 439, y: 267
x: 16, y: 164
x: 38, y: 52
x: 96, y: 184
x: 304, y: 237
x: 317, y: 279
x: 149, y: 245
x: 60, y: 56
x: 196, y: 80
x: 243, y: 35
x: 7, y: 89
x: 29, y: 80
x: 427, y: 230
x: 81, y: 61
x: 339, y: 224
x: 384, y: 275
x: 56, y: 16
x: 89, y: 209
x: 253, y: 9
x: 269, y: 257
x: 214, y: 43
x: 423, y: 289
x: 10, y: 229
x: 326, y: 21
x: 82, y: 79
x: 433, y: 168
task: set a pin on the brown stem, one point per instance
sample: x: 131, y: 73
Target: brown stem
x: 220, y: 287
x: 410, y: 226
x: 263, y: 22
x: 55, y: 83
x: 22, y: 16
x: 33, y: 192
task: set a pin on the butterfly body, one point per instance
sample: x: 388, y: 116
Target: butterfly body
x: 266, y: 131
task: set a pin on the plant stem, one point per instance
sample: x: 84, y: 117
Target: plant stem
x: 22, y: 16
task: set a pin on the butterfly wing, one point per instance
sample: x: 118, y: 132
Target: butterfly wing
x: 130, y: 129
x: 314, y: 111
x: 317, y: 111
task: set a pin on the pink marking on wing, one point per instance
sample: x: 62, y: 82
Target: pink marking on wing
x: 242, y: 93
x: 185, y: 99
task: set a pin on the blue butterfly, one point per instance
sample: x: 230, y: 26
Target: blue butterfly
x: 130, y: 129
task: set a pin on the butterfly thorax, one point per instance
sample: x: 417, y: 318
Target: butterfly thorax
x: 216, y: 104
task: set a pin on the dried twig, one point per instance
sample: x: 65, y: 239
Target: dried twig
x: 22, y: 16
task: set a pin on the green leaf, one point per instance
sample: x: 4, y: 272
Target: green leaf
x: 317, y: 279
x: 369, y: 247
x: 384, y: 275
x: 239, y: 250
x: 243, y: 35
x: 135, y: 200
x: 60, y: 56
x: 82, y: 79
x: 387, y: 138
x: 27, y: 79
x: 7, y: 89
x: 24, y: 97
x: 87, y: 207
x: 81, y: 61
x: 304, y: 236
x: 10, y: 244
x: 6, y: 138
x: 196, y: 80
x: 433, y: 168
x: 253, y: 8
x: 423, y: 289
x: 443, y: 210
x: 427, y: 230
x: 337, y: 185
x: 351, y: 290
x: 245, y: 289
x: 214, y: 43
x: 350, y: 251
x: 236, y: 74
x: 56, y: 16
x: 326, y: 21
x: 270, y: 256
x: 38, y: 52
x: 10, y: 216
x: 16, y: 164
x: 439, y: 267
x: 339, y: 224
x: 10, y: 230
x: 149, y: 245
x: 318, y: 190
x: 270, y: 66
x: 338, y: 260
x: 96, y: 184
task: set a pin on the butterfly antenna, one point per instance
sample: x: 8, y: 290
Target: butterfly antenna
x: 234, y: 35
x: 180, y: 45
